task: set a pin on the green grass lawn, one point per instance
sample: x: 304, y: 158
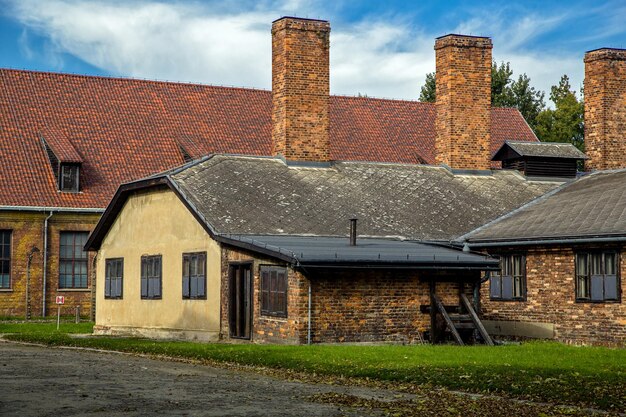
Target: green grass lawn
x: 47, y: 328
x: 541, y: 371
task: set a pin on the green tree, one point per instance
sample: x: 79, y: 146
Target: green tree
x: 427, y: 93
x: 500, y: 80
x: 526, y: 99
x: 505, y: 92
x: 564, y: 123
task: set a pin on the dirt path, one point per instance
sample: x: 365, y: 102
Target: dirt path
x: 36, y: 381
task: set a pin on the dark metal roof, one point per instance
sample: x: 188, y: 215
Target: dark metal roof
x: 320, y: 251
x: 540, y: 149
x: 594, y: 206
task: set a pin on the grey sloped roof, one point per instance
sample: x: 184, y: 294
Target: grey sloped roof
x: 264, y: 196
x: 542, y: 149
x: 594, y: 205
x: 311, y: 251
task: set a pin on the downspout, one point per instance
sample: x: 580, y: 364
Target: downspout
x: 45, y: 261
x: 93, y: 287
x: 308, y: 337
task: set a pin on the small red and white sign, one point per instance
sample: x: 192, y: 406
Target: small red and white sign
x: 60, y: 299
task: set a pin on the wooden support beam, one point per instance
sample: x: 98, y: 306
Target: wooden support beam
x: 446, y: 317
x: 476, y: 320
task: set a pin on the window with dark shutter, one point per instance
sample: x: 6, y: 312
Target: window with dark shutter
x: 151, y: 277
x: 194, y: 275
x: 5, y: 259
x: 274, y: 283
x: 114, y: 278
x: 72, y: 260
x: 597, y: 277
x: 495, y: 287
x: 510, y: 282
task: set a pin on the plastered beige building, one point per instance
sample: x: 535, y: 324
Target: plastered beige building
x: 157, y: 223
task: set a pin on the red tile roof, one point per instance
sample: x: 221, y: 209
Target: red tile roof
x: 125, y: 129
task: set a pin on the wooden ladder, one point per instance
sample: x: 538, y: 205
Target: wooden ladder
x: 470, y: 320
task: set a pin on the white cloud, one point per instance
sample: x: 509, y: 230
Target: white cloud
x: 365, y: 59
x: 157, y: 40
x: 511, y: 38
x: 229, y: 44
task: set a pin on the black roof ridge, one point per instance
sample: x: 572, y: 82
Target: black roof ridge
x: 538, y: 142
x: 582, y: 236
x: 606, y: 171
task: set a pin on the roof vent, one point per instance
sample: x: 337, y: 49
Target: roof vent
x: 353, y: 232
x: 540, y: 159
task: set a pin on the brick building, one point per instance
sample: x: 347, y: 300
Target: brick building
x: 564, y: 264
x: 71, y: 140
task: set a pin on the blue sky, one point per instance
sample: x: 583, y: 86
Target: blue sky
x: 382, y: 49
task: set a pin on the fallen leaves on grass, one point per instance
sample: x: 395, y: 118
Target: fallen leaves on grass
x: 442, y: 403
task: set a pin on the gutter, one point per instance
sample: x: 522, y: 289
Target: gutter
x: 56, y: 209
x: 533, y: 242
x: 489, y: 266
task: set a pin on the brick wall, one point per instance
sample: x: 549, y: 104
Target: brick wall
x: 27, y: 231
x: 374, y: 306
x: 350, y: 306
x: 605, y: 108
x: 463, y: 120
x: 550, y: 298
x: 300, y: 89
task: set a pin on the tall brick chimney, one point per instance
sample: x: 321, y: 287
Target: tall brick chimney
x: 605, y: 108
x: 463, y: 122
x: 300, y: 89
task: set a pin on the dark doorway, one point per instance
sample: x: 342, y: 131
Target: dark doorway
x: 240, y: 300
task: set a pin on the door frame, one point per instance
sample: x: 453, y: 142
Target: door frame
x: 232, y: 267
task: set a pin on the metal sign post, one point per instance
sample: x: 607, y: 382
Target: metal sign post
x: 60, y: 301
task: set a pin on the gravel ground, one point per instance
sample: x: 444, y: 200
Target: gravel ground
x: 38, y: 381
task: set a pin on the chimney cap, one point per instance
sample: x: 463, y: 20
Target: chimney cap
x: 611, y: 54
x: 463, y: 41
x: 300, y: 18
x: 458, y: 35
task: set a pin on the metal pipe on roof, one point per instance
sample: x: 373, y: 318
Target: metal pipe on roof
x: 353, y: 231
x: 547, y: 242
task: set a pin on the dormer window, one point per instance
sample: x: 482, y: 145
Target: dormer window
x: 69, y: 177
x: 65, y: 160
